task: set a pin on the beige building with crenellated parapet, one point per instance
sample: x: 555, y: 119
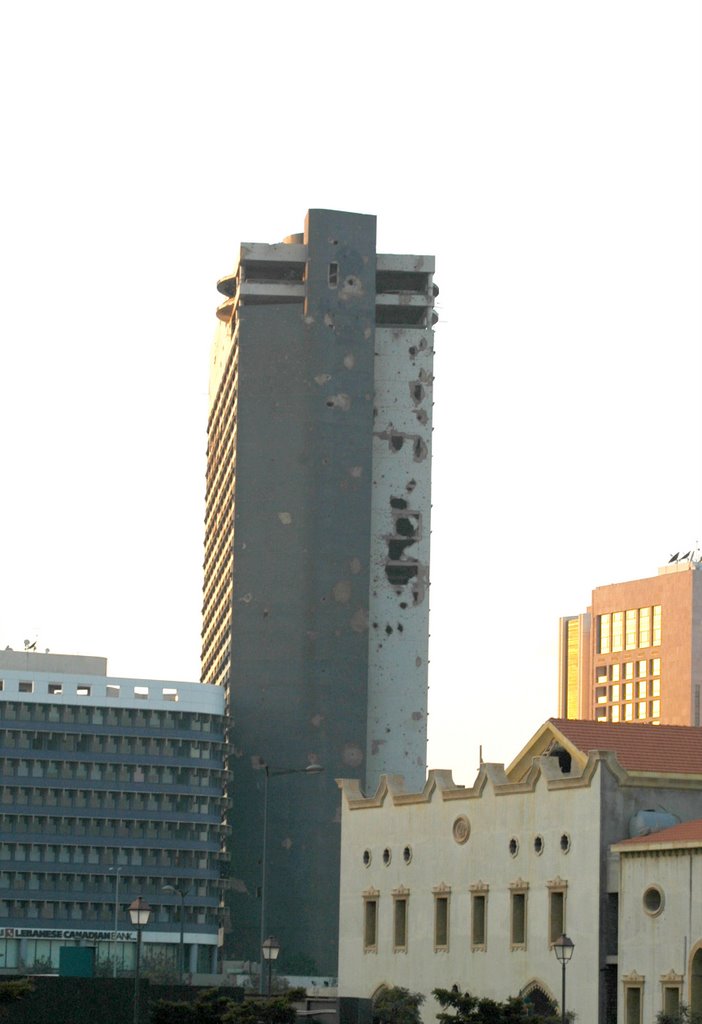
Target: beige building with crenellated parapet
x: 472, y: 885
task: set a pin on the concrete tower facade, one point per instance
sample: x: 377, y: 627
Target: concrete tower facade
x: 315, y: 612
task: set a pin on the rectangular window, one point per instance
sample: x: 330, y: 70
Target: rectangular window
x: 641, y: 689
x: 169, y: 693
x: 400, y: 924
x: 370, y: 925
x: 441, y: 922
x: 671, y: 999
x: 644, y: 627
x: 55, y: 689
x: 82, y: 691
x: 630, y: 629
x: 141, y: 692
x: 111, y: 690
x: 605, y: 633
x: 615, y: 673
x: 628, y: 713
x: 657, y: 626
x: 617, y: 631
x: 628, y: 670
x: 519, y: 920
x: 615, y: 713
x: 478, y: 927
x: 26, y: 686
x: 556, y: 914
x: 633, y: 1004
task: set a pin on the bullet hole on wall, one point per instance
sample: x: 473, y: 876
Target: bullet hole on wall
x: 396, y: 548
x: 400, y: 569
x: 411, y: 486
x: 396, y: 442
x: 419, y: 450
x: 401, y: 574
x: 400, y: 628
x: 388, y: 629
x: 416, y: 391
x: 329, y: 320
x: 403, y: 604
x: 406, y: 527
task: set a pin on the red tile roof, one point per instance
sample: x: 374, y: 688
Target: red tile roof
x: 639, y: 747
x: 685, y: 832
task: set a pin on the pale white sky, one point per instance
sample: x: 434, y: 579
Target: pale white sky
x: 548, y: 152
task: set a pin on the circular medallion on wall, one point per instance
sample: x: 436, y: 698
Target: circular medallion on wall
x: 461, y: 829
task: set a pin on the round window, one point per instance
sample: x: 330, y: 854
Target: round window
x: 538, y: 845
x: 514, y: 846
x: 407, y: 854
x: 367, y: 858
x: 653, y: 900
x: 387, y: 856
x: 565, y: 842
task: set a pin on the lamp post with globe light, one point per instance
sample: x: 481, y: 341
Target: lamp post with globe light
x: 563, y: 948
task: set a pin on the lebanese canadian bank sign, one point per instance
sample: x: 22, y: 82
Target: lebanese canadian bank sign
x: 65, y: 933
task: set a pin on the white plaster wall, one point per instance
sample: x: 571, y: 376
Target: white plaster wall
x: 654, y: 946
x: 399, y: 614
x: 485, y: 857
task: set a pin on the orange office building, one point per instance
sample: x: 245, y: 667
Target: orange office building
x: 635, y: 655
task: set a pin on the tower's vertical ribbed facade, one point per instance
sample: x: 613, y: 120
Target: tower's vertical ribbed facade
x: 315, y: 611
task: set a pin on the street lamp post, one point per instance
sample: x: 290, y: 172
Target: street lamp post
x: 139, y: 911
x: 270, y: 949
x: 311, y: 769
x: 117, y: 872
x: 182, y: 893
x: 563, y: 948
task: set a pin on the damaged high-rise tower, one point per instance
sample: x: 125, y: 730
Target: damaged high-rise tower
x: 315, y: 610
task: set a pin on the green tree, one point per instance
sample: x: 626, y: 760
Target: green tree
x: 684, y: 1015
x: 463, y: 1008
x: 12, y: 991
x: 396, y: 1005
x: 251, y: 1011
